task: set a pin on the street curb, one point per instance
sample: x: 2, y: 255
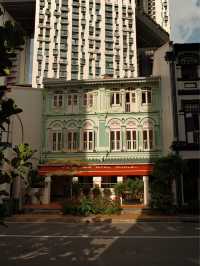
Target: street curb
x: 93, y: 220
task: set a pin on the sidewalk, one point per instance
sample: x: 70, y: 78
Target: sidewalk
x: 121, y: 218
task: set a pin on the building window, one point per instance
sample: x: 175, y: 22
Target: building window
x: 57, y: 100
x: 115, y: 140
x: 88, y: 99
x: 192, y: 121
x: 108, y: 181
x: 131, y: 140
x: 189, y: 72
x: 72, y: 141
x: 148, y: 139
x: 146, y: 96
x: 88, y: 140
x: 57, y: 141
x: 115, y: 98
x: 72, y: 99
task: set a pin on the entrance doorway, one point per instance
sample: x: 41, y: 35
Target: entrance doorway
x: 60, y: 188
x: 135, y: 190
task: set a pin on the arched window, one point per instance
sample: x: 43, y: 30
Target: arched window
x: 57, y: 100
x: 148, y: 135
x: 72, y: 138
x: 55, y: 138
x: 88, y: 137
x: 131, y: 136
x: 115, y: 135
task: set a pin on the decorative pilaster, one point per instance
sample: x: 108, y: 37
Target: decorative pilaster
x: 119, y: 179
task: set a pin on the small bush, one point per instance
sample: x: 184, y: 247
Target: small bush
x: 76, y: 189
x: 86, y: 207
x: 89, y: 206
x: 96, y: 192
x: 107, y: 192
x: 70, y: 208
x: 120, y: 188
x: 86, y: 190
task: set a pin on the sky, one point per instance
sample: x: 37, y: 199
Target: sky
x: 185, y: 21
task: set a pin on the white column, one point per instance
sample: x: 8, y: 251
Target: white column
x: 47, y: 191
x: 97, y: 181
x: 75, y: 179
x: 119, y: 179
x: 146, y: 190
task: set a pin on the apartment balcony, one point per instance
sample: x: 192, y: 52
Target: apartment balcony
x: 47, y: 26
x: 64, y: 21
x: 109, y: 71
x: 47, y: 12
x: 46, y: 39
x: 40, y: 38
x: 63, y: 61
x: 55, y: 66
x: 56, y: 14
x: 64, y: 8
x: 39, y: 57
x: 55, y: 52
x: 82, y: 61
x: 109, y: 52
x: 98, y: 17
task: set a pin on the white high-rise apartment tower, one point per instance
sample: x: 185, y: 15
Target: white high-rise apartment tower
x: 158, y: 10
x: 84, y: 39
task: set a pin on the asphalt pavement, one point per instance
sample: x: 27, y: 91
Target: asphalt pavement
x: 101, y: 244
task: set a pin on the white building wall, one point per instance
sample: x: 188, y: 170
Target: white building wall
x: 161, y: 68
x: 123, y: 23
x: 30, y: 100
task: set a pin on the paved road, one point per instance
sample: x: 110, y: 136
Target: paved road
x: 103, y: 244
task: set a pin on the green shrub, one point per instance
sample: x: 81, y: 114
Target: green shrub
x: 107, y: 192
x: 86, y: 190
x: 86, y: 207
x: 70, y: 208
x: 89, y: 206
x: 120, y: 188
x: 114, y: 207
x: 96, y: 192
x: 76, y: 189
x: 35, y: 180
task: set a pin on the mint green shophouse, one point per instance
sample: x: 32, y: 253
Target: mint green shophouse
x: 100, y: 132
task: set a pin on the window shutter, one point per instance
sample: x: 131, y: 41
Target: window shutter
x: 112, y: 99
x: 143, y: 97
x: 94, y: 140
x: 189, y: 122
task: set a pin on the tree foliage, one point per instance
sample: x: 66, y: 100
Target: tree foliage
x: 166, y: 169
x: 11, y: 39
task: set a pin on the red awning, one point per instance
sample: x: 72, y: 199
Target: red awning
x: 97, y: 170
